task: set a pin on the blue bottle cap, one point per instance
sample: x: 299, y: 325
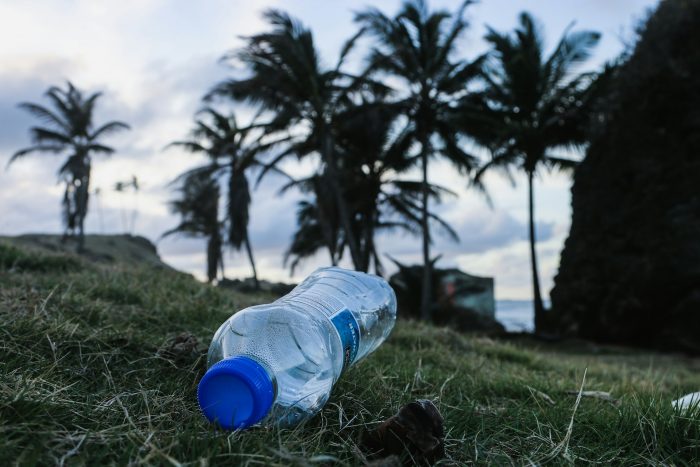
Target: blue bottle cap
x: 236, y: 393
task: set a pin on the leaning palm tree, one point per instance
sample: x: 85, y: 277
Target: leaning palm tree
x: 70, y: 130
x: 232, y: 151
x: 418, y: 47
x: 531, y: 105
x: 287, y: 79
x: 197, y: 205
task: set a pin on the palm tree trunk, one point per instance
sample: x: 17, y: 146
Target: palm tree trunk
x: 221, y: 266
x: 378, y: 269
x: 329, y: 156
x: 249, y: 249
x: 425, y: 308
x: 327, y: 230
x: 368, y: 237
x: 537, y: 296
x: 82, y: 194
x: 67, y: 214
x: 213, y: 257
x: 331, y: 253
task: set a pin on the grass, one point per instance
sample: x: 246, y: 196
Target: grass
x: 89, y: 376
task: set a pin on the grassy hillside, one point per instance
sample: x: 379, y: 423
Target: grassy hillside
x: 92, y: 372
x: 104, y: 249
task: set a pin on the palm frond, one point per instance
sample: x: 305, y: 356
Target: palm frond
x: 190, y: 146
x: 203, y: 171
x: 561, y: 164
x: 572, y: 49
x: 445, y: 227
x: 38, y: 148
x: 109, y: 128
x: 99, y: 148
x: 41, y: 136
x: 347, y: 48
x: 45, y: 115
x: 502, y: 162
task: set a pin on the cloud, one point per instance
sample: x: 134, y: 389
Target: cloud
x: 510, y: 266
x: 23, y: 85
x: 27, y: 205
x: 483, y: 231
x: 154, y: 59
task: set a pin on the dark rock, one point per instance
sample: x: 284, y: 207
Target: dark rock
x: 466, y: 291
x: 415, y: 434
x: 630, y: 269
x: 460, y: 300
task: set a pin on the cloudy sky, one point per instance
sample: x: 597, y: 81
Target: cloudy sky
x: 154, y: 59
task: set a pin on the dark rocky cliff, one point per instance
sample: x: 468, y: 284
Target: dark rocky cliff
x: 630, y: 269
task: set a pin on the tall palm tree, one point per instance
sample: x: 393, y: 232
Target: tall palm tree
x: 232, y: 152
x: 375, y: 147
x: 198, y: 207
x: 287, y: 79
x: 373, y: 153
x: 70, y: 130
x: 418, y: 47
x: 531, y: 105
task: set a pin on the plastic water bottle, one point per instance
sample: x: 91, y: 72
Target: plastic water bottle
x: 277, y: 363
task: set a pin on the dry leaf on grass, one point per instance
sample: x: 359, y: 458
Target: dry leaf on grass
x: 541, y: 395
x: 415, y: 433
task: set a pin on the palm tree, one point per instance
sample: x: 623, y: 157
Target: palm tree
x: 198, y: 208
x: 70, y: 130
x: 418, y: 46
x: 287, y: 79
x: 121, y: 188
x: 373, y: 153
x: 397, y: 207
x: 317, y: 225
x: 375, y: 147
x: 531, y: 105
x: 232, y: 152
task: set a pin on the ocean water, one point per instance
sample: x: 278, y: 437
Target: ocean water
x: 516, y: 315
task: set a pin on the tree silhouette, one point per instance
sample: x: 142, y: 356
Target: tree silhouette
x: 396, y: 207
x: 532, y: 105
x: 373, y: 153
x: 232, y: 151
x: 197, y: 205
x: 121, y: 188
x: 418, y: 46
x: 318, y: 226
x: 70, y: 130
x: 287, y: 79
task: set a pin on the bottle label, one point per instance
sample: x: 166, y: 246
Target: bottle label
x: 349, y: 332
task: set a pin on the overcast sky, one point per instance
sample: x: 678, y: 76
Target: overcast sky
x: 154, y: 59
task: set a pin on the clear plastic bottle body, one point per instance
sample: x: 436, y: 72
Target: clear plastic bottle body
x: 307, y: 338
